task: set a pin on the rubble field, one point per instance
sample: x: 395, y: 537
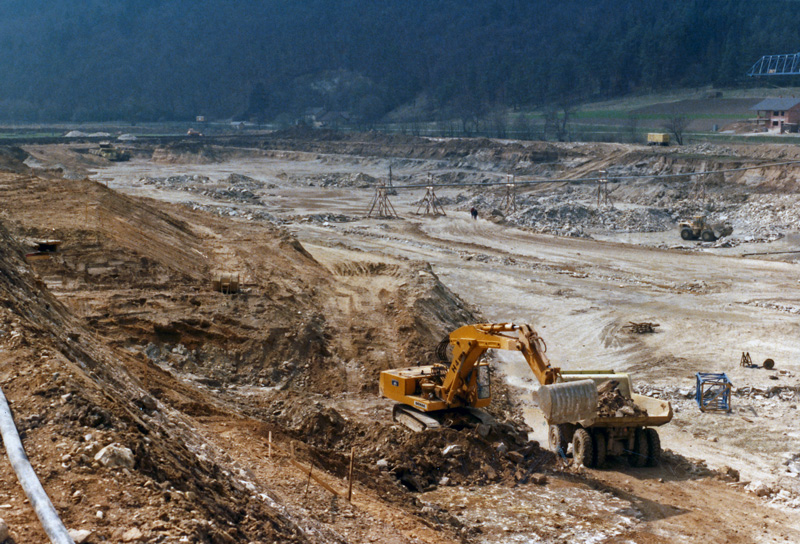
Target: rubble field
x: 155, y: 409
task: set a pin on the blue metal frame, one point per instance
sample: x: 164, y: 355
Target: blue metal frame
x: 713, y: 392
x: 776, y: 65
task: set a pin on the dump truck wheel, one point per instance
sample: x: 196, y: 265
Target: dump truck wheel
x: 653, y: 448
x: 638, y: 457
x: 599, y: 444
x: 582, y: 447
x: 687, y: 234
x: 559, y: 437
x: 708, y: 236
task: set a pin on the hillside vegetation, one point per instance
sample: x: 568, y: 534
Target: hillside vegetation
x: 174, y: 59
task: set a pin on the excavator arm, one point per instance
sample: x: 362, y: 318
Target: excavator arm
x: 464, y: 382
x: 471, y: 342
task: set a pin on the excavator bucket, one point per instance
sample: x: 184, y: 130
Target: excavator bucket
x: 568, y: 402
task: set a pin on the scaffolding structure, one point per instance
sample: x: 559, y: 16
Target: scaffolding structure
x: 603, y: 192
x: 699, y: 188
x: 431, y: 203
x: 381, y: 206
x: 510, y: 200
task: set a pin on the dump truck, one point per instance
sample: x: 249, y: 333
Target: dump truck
x: 617, y: 434
x: 456, y: 389
x: 700, y: 228
x: 657, y: 138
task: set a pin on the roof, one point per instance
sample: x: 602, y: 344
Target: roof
x: 335, y: 116
x: 777, y: 104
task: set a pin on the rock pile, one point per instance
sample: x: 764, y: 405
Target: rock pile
x: 467, y: 457
x: 358, y: 180
x: 225, y: 211
x: 611, y: 402
x: 563, y: 215
x: 175, y: 182
x: 243, y: 182
x: 325, y: 218
x: 473, y: 455
x: 234, y: 188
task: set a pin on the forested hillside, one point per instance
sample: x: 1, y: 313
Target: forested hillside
x: 174, y: 59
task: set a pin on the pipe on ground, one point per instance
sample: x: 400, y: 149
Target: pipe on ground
x: 27, y: 478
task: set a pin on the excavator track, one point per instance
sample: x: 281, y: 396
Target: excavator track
x: 455, y: 418
x: 413, y: 419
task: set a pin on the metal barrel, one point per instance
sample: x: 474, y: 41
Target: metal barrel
x: 568, y: 402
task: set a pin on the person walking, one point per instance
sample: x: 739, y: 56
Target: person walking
x: 474, y: 212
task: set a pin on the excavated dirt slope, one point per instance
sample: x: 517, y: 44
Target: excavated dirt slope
x: 117, y: 338
x: 295, y: 355
x: 72, y: 395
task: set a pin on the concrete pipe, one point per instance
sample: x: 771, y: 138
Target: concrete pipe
x: 36, y: 494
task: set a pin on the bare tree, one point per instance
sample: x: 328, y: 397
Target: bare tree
x: 562, y: 132
x: 676, y: 125
x: 470, y: 111
x: 521, y: 127
x: 558, y: 121
x: 497, y: 118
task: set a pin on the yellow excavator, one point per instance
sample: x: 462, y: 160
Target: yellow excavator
x: 431, y: 396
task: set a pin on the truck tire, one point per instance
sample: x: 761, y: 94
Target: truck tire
x: 638, y: 457
x: 687, y: 234
x: 708, y: 236
x: 559, y: 437
x: 582, y: 448
x: 600, y: 447
x: 653, y: 448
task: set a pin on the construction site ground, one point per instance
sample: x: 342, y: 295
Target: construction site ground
x: 226, y: 400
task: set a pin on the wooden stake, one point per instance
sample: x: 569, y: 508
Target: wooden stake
x: 308, y: 482
x: 350, y: 477
x: 316, y: 478
x: 269, y: 450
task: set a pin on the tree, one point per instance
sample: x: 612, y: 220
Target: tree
x: 521, y: 128
x: 497, y: 118
x: 676, y: 125
x: 557, y: 121
x: 258, y: 102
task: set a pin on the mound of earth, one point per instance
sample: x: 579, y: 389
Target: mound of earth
x: 198, y: 152
x: 358, y: 179
x: 12, y: 159
x: 71, y: 397
x: 461, y: 457
x: 472, y: 455
x: 123, y: 342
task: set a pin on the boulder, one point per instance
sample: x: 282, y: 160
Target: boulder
x: 79, y: 536
x: 115, y: 455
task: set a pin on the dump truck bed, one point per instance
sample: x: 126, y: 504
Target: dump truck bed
x: 658, y: 411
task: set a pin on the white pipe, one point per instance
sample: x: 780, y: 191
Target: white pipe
x: 27, y: 478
